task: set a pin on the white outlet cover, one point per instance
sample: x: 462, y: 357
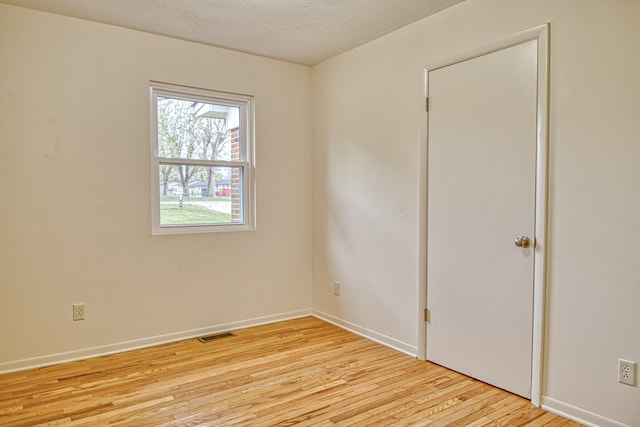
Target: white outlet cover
x: 78, y: 311
x: 627, y: 372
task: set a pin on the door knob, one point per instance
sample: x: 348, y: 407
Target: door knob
x: 522, y: 241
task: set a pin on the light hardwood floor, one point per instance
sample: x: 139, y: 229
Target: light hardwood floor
x: 302, y: 372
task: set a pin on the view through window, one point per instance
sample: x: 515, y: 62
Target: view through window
x: 201, y: 156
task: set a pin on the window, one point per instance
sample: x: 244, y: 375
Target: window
x: 202, y: 160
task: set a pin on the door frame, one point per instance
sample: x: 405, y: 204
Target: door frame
x: 541, y: 34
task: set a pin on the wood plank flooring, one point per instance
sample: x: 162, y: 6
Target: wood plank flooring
x: 302, y: 372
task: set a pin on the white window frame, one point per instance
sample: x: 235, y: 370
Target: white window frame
x: 246, y: 164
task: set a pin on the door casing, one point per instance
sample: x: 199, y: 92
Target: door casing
x: 541, y: 34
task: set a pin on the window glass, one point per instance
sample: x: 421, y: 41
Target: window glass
x: 201, y: 147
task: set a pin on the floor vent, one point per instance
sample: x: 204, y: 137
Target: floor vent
x: 215, y: 337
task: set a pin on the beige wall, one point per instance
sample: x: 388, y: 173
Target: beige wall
x: 367, y: 146
x: 75, y: 215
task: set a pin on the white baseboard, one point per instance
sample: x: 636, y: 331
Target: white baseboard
x: 85, y: 353
x: 578, y: 414
x: 385, y: 340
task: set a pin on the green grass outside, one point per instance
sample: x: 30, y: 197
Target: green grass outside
x: 172, y: 214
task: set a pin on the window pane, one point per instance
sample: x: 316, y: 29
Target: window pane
x: 198, y: 130
x: 196, y: 195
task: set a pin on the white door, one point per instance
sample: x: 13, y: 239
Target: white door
x: 481, y: 197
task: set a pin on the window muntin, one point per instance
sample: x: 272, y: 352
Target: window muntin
x: 202, y: 162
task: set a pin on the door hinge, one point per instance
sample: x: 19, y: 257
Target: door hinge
x: 426, y: 315
x: 426, y: 104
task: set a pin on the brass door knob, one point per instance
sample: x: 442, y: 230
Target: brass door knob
x: 522, y: 241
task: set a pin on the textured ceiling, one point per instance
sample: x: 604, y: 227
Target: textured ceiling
x: 300, y: 31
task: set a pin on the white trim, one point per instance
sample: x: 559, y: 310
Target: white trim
x: 422, y: 218
x: 245, y: 103
x: 578, y: 414
x: 86, y: 353
x: 541, y: 252
x: 197, y: 162
x: 178, y: 91
x: 374, y: 336
x: 541, y: 35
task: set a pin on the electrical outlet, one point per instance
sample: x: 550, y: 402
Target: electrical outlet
x: 336, y: 288
x: 78, y: 311
x: 626, y: 372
